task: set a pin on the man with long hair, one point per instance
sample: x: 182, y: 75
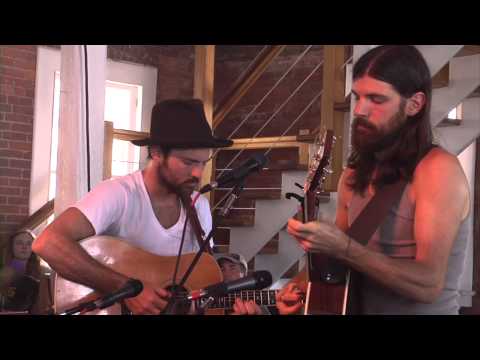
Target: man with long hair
x: 413, y: 262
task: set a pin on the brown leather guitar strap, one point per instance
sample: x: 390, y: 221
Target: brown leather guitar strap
x: 194, y: 221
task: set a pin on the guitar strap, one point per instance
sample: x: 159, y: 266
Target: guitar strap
x: 194, y: 221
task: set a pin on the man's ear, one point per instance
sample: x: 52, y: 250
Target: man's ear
x: 415, y: 103
x: 157, y: 154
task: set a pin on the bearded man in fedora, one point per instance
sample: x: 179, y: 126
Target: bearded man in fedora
x: 143, y: 208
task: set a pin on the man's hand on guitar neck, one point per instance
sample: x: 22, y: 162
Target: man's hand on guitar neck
x: 319, y: 236
x: 242, y: 307
x: 289, y: 299
x: 151, y: 301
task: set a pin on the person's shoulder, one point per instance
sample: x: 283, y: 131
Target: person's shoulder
x: 438, y: 160
x: 125, y: 182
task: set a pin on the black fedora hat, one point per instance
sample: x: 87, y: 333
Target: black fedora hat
x: 178, y: 123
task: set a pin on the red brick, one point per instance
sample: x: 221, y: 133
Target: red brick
x: 5, y: 108
x: 22, y: 128
x: 12, y: 72
x: 6, y: 81
x: 19, y: 91
x: 15, y: 145
x: 5, y: 126
x: 19, y: 118
x: 3, y: 162
x: 20, y: 109
x: 16, y: 52
x: 19, y: 183
x: 26, y: 174
x: 8, y: 209
x: 7, y: 190
x: 3, y: 144
x: 3, y: 99
x: 11, y: 172
x: 3, y: 181
x: 3, y: 199
x: 26, y: 84
x: 18, y: 219
x: 17, y: 200
x: 7, y: 89
x: 20, y: 100
x: 20, y: 164
x: 14, y: 136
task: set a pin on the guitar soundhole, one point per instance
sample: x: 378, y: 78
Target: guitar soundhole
x: 181, y: 306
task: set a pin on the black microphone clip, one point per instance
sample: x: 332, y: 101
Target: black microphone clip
x: 253, y: 163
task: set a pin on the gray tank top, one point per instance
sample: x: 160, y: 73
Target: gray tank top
x: 395, y: 239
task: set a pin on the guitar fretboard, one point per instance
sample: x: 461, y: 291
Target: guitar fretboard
x: 261, y: 297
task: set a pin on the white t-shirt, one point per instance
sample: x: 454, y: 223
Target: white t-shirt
x: 121, y: 207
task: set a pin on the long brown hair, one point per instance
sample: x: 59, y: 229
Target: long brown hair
x: 405, y: 69
x: 33, y: 262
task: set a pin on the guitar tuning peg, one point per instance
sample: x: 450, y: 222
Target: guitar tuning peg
x: 329, y: 170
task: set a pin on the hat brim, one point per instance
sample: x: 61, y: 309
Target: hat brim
x: 182, y: 144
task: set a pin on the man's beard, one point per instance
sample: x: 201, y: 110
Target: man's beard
x: 366, y: 138
x: 186, y: 187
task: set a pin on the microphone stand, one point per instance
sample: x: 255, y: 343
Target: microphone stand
x: 172, y: 303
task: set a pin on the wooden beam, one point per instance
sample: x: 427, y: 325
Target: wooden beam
x: 203, y: 90
x: 468, y: 50
x: 38, y: 216
x: 334, y: 93
x: 243, y: 84
x: 107, y: 149
x: 442, y: 77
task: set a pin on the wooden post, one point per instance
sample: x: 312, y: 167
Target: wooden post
x: 331, y: 118
x: 203, y: 90
x: 107, y: 150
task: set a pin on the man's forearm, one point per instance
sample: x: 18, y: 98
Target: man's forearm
x: 409, y: 278
x: 72, y: 262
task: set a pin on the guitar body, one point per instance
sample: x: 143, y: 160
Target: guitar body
x: 133, y: 262
x: 327, y: 286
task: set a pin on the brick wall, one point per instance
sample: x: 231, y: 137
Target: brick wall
x: 17, y: 88
x: 175, y: 64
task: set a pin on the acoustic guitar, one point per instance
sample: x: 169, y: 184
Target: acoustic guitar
x: 154, y: 270
x: 327, y: 279
x: 136, y: 263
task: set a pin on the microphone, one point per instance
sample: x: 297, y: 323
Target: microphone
x: 257, y: 281
x: 132, y: 288
x: 234, y: 195
x: 254, y: 163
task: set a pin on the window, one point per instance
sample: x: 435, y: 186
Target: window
x: 123, y: 109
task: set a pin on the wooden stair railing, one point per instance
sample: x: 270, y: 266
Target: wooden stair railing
x: 38, y: 216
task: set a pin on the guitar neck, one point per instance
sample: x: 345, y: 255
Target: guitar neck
x: 261, y: 297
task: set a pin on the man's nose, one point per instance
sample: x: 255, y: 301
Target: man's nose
x: 361, y: 108
x: 197, y: 170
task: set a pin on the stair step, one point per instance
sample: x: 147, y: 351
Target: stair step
x: 236, y: 217
x: 249, y: 194
x: 277, y: 159
x: 264, y: 178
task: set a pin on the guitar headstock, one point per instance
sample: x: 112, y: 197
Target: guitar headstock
x: 320, y: 165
